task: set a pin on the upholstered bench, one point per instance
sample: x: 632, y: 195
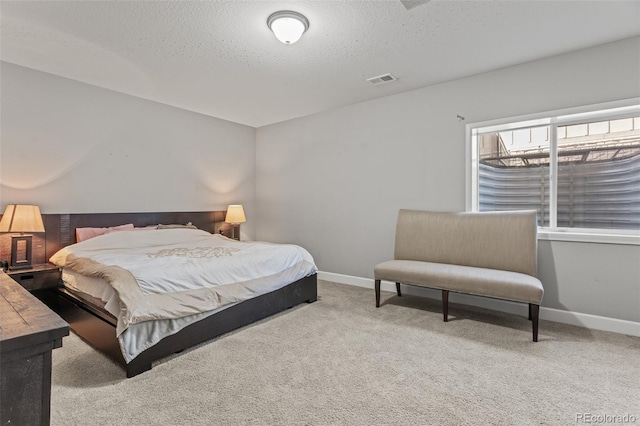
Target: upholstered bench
x: 492, y: 254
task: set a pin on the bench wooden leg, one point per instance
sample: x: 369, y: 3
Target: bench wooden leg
x: 377, y: 293
x: 534, y: 311
x: 398, y: 289
x: 445, y: 305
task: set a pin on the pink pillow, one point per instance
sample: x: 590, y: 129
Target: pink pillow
x: 83, y: 234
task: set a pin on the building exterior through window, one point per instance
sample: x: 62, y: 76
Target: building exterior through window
x: 576, y: 172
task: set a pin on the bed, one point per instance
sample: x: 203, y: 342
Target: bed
x: 93, y: 317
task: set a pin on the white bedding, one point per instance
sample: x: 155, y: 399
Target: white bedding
x: 160, y: 281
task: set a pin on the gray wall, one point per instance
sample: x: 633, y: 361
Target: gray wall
x: 333, y: 182
x: 72, y: 147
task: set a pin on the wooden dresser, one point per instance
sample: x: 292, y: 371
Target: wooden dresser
x: 29, y: 331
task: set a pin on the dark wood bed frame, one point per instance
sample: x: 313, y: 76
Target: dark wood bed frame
x: 97, y: 326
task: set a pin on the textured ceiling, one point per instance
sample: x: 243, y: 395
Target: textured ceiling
x: 220, y: 59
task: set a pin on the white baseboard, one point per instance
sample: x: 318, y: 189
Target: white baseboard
x: 550, y: 314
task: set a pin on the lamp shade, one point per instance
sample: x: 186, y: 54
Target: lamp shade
x: 21, y: 218
x: 235, y: 214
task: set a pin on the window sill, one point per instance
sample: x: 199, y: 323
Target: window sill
x: 588, y: 237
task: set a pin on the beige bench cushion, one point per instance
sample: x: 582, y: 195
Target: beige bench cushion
x: 464, y: 279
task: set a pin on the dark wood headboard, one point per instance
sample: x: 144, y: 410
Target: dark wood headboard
x: 60, y: 229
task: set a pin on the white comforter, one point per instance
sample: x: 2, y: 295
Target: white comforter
x: 175, y: 273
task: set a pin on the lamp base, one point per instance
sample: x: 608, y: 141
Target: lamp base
x: 17, y: 268
x: 21, y: 246
x: 234, y: 231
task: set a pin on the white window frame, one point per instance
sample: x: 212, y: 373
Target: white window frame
x: 610, y: 110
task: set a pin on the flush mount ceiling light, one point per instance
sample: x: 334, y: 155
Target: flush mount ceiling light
x: 288, y: 26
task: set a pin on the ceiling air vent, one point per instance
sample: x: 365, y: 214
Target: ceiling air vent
x: 381, y: 79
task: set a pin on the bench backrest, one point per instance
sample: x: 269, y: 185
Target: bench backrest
x: 495, y: 240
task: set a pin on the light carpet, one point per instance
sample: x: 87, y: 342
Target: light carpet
x: 341, y: 361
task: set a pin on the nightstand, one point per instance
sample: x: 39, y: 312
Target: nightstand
x: 37, y: 277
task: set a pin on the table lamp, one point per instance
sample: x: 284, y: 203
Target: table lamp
x: 21, y: 218
x: 235, y: 216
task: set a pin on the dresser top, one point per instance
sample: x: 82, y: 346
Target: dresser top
x: 25, y: 320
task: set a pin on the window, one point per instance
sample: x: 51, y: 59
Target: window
x: 580, y: 171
